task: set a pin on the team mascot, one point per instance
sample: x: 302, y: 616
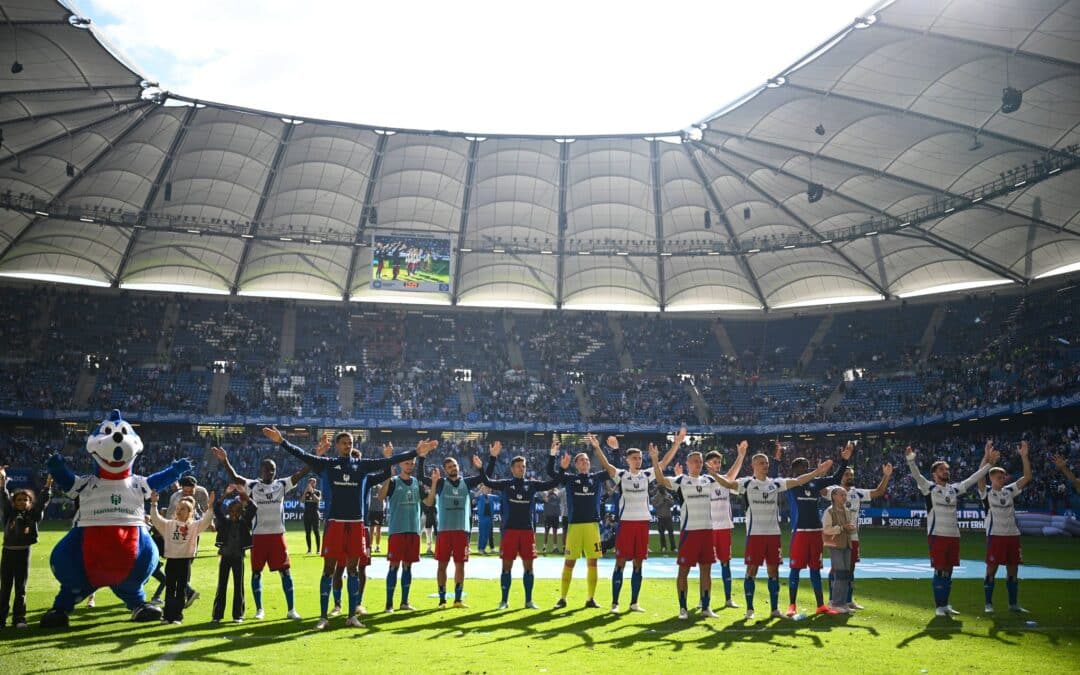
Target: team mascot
x: 108, y: 544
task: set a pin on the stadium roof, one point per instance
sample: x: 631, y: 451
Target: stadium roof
x: 881, y: 165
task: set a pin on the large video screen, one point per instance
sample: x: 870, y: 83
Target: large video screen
x: 410, y: 262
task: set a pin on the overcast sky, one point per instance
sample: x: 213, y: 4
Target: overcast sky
x: 557, y: 66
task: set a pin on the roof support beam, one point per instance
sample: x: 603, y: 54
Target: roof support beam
x: 69, y: 111
x: 654, y: 163
x: 564, y: 171
x: 67, y: 188
x: 151, y: 195
x: 983, y: 45
x: 802, y: 223
x: 744, y: 264
x: 463, y: 221
x: 264, y: 196
x: 871, y: 172
x: 60, y: 90
x: 922, y: 116
x: 365, y: 211
x: 970, y: 256
x: 67, y: 133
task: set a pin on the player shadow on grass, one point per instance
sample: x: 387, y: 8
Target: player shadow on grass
x: 940, y: 628
x: 739, y: 631
x: 166, y: 637
x: 1000, y: 628
x: 530, y: 624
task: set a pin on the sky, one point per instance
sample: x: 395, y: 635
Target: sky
x: 553, y: 67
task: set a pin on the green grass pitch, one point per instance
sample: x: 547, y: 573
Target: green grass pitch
x: 897, y: 632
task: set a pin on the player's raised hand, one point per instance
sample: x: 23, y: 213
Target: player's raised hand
x: 778, y: 451
x: 426, y: 446
x: 742, y: 447
x: 476, y: 462
x: 680, y: 435
x: 592, y: 441
x: 651, y: 448
x: 435, y: 476
x: 887, y: 469
x: 564, y: 462
x: 613, y: 442
x: 654, y: 454
x: 847, y: 451
x: 909, y: 453
x: 992, y: 454
x: 1058, y: 460
x: 988, y: 449
x: 273, y: 434
x: 211, y: 497
x: 1023, y: 449
x: 153, y: 497
x: 496, y: 448
x: 220, y: 454
x: 324, y: 444
x: 678, y: 469
x: 554, y: 447
x: 388, y: 449
x: 823, y: 468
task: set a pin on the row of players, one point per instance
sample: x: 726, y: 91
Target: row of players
x: 706, y: 523
x: 706, y: 520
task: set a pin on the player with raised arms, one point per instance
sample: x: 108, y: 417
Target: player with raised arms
x: 853, y: 502
x: 268, y: 546
x: 451, y: 497
x: 763, y: 525
x: 584, y: 493
x: 345, y: 479
x: 692, y: 492
x: 632, y: 531
x: 1002, y: 532
x: 720, y: 509
x: 805, y: 547
x: 402, y: 493
x: 943, y: 532
x: 518, y: 536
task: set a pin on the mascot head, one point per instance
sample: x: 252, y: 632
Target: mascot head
x: 114, y: 446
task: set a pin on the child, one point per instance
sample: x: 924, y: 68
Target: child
x: 836, y: 535
x: 181, y: 541
x: 20, y: 517
x: 232, y: 518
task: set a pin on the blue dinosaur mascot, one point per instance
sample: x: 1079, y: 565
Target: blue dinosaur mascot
x: 108, y: 544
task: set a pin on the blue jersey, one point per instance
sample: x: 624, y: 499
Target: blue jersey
x: 584, y: 493
x: 346, y: 480
x: 516, y: 496
x: 803, y: 500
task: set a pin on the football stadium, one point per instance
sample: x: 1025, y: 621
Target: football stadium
x: 281, y: 392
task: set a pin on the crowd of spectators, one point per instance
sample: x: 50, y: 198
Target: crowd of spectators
x: 156, y: 353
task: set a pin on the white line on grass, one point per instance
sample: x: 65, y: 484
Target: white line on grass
x: 168, y: 656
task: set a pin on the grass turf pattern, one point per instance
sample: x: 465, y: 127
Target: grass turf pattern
x: 897, y: 631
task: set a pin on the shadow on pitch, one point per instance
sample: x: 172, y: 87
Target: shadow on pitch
x: 941, y: 629
x: 195, y: 642
x: 522, y: 623
x: 1002, y: 629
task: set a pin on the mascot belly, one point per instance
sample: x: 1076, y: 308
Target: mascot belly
x: 108, y: 545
